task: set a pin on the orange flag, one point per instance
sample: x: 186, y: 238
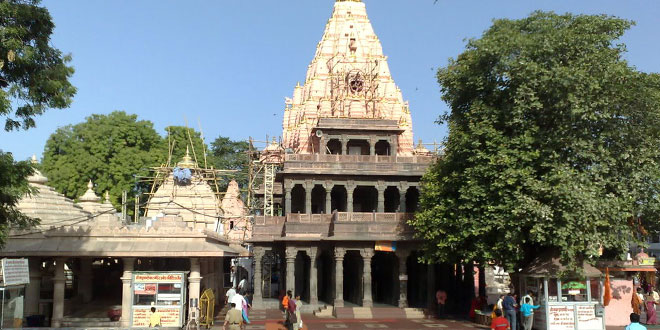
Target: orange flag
x: 607, y: 295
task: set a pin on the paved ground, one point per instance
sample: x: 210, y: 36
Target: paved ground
x: 272, y: 320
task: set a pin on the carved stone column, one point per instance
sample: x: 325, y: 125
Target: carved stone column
x: 58, y: 293
x: 402, y: 256
x: 350, y: 186
x: 33, y: 290
x: 403, y: 188
x: 258, y: 281
x: 323, y: 145
x: 194, y: 279
x: 290, y: 255
x: 344, y: 146
x: 328, y: 196
x: 309, y: 186
x: 126, y: 298
x: 367, y: 254
x: 288, y: 185
x: 339, y: 277
x: 372, y: 147
x: 313, y: 276
x: 380, y: 187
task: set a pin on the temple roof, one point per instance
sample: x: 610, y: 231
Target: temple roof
x: 49, y: 206
x: 348, y: 78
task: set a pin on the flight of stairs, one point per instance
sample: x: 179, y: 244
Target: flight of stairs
x: 89, y: 322
x: 324, y: 312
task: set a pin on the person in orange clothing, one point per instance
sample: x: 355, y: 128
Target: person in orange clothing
x: 500, y: 322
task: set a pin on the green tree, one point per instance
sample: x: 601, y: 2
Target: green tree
x: 112, y: 150
x: 179, y: 137
x: 231, y: 155
x: 553, y: 143
x: 33, y: 75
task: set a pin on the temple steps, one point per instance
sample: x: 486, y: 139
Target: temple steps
x: 87, y: 322
x: 325, y: 311
x: 378, y: 313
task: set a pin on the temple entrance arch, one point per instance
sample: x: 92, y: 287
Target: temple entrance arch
x: 384, y: 281
x: 338, y: 198
x: 302, y: 267
x: 353, y: 267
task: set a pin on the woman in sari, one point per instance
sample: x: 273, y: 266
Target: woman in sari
x: 651, y: 317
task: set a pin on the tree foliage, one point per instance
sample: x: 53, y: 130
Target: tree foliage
x: 112, y: 150
x: 33, y: 75
x: 179, y: 138
x: 13, y: 187
x: 231, y: 155
x: 553, y: 143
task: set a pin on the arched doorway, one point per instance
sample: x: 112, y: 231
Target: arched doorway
x: 384, y: 282
x: 333, y: 147
x: 412, y: 199
x: 365, y: 199
x: 318, y: 199
x: 298, y: 199
x: 325, y: 277
x: 302, y: 266
x: 338, y: 198
x: 382, y: 148
x: 391, y: 199
x: 271, y: 274
x: 353, y: 267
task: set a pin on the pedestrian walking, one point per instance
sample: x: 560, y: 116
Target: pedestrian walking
x: 233, y: 319
x: 509, y: 305
x: 651, y: 315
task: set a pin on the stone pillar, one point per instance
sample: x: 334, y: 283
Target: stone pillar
x: 402, y: 256
x: 58, y: 293
x: 323, y: 145
x: 288, y: 185
x: 126, y: 298
x: 33, y: 290
x: 394, y: 146
x: 339, y: 277
x: 403, y: 188
x: 380, y: 187
x: 309, y: 186
x: 290, y: 255
x: 204, y: 272
x: 313, y: 276
x: 344, y: 146
x: 372, y: 147
x: 257, y: 298
x: 85, y: 283
x: 367, y: 254
x: 194, y: 279
x: 328, y: 196
x: 350, y: 186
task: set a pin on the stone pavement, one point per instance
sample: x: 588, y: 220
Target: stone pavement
x: 272, y: 320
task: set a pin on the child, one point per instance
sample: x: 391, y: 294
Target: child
x: 528, y: 313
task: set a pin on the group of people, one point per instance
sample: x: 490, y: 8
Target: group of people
x: 508, y: 309
x: 239, y: 304
x: 648, y: 302
x: 291, y: 308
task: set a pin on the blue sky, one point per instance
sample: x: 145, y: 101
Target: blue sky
x: 229, y: 64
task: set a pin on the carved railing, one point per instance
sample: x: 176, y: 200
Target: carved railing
x: 359, y: 158
x: 370, y: 217
x: 308, y: 218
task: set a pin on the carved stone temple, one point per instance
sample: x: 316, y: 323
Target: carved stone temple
x: 348, y: 182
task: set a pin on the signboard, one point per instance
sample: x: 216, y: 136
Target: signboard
x: 561, y: 317
x: 15, y: 272
x: 144, y: 288
x: 169, y: 317
x: 157, y: 278
x: 387, y: 246
x: 646, y: 261
x: 586, y: 318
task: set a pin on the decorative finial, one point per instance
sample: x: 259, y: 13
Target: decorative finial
x: 187, y: 161
x: 107, y: 195
x: 90, y: 185
x: 34, y: 159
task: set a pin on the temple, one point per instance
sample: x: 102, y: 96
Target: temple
x: 343, y: 184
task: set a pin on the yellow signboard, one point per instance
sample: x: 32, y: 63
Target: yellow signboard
x: 647, y: 261
x: 169, y: 317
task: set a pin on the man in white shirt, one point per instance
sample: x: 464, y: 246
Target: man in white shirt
x: 230, y: 295
x: 242, y: 284
x: 239, y: 301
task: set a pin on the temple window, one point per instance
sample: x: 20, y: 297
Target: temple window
x: 383, y: 148
x: 358, y: 147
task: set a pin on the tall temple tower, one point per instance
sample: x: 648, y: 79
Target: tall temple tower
x: 348, y: 79
x: 348, y: 181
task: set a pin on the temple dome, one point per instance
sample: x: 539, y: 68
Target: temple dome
x: 49, y: 206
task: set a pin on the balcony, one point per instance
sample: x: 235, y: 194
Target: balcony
x: 352, y: 164
x: 358, y: 226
